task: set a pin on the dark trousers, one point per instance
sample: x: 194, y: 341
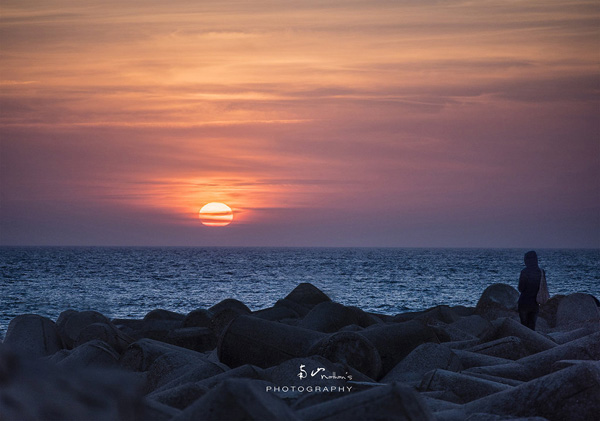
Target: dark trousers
x: 529, y: 315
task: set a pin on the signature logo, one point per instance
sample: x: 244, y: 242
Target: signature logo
x: 303, y: 374
x: 310, y: 388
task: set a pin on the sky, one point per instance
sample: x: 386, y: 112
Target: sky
x: 320, y: 123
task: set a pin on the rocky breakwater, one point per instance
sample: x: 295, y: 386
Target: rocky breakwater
x: 307, y: 358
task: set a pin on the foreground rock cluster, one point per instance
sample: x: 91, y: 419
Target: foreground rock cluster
x: 307, y: 358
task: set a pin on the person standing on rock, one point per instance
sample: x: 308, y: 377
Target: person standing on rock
x: 529, y: 284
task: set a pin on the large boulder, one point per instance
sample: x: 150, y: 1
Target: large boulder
x: 197, y: 318
x: 71, y: 323
x: 199, y: 339
x: 352, y: 349
x: 140, y: 355
x: 390, y: 402
x: 106, y: 332
x: 182, y: 395
x: 94, y: 353
x: 540, y: 364
x: 533, y: 341
x: 576, y: 309
x: 467, y: 388
x: 474, y: 359
x: 394, y: 341
x: 238, y: 400
x: 307, y: 295
x: 426, y: 357
x: 569, y: 394
x: 474, y: 325
x: 37, y: 390
x: 329, y: 317
x: 497, y: 300
x: 33, y: 336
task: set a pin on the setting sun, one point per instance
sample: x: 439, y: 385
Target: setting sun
x: 216, y: 214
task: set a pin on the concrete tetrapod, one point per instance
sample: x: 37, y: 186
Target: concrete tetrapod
x: 391, y: 402
x: 394, y: 341
x: 533, y: 341
x: 422, y: 359
x: 569, y: 394
x: 251, y: 340
x: 33, y: 336
x: 467, y: 388
x: 540, y: 364
x: 238, y: 400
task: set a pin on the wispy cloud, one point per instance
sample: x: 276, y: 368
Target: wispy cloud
x: 411, y: 109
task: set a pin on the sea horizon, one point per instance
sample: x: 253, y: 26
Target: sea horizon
x: 130, y: 281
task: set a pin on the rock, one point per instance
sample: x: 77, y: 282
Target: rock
x: 160, y: 314
x: 276, y: 313
x: 185, y: 394
x: 569, y: 394
x: 496, y: 379
x: 157, y: 329
x: 36, y: 390
x: 329, y: 317
x: 174, y: 369
x: 474, y: 359
x: 140, y: 355
x: 63, y: 317
x: 307, y: 295
x: 230, y: 303
x: 474, y: 325
x: 156, y: 411
x: 106, y: 332
x: 237, y: 400
x: 548, y: 310
x: 250, y: 340
x: 440, y: 400
x: 131, y: 327
x: 467, y: 388
x: 394, y: 401
x: 440, y: 313
x: 199, y: 339
x: 395, y: 341
x: 298, y: 308
x: 94, y: 353
x: 424, y: 358
x: 469, y: 343
x: 352, y: 349
x: 197, y: 318
x: 179, y: 397
x: 33, y: 336
x: 501, y: 295
x: 510, y: 347
x: 449, y: 333
x: 533, y: 341
x: 576, y: 309
x: 73, y: 322
x: 498, y: 300
x: 222, y: 317
x: 245, y: 371
x: 540, y: 364
x: 563, y: 337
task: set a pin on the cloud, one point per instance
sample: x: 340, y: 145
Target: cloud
x: 429, y: 113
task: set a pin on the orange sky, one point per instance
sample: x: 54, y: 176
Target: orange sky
x: 359, y: 123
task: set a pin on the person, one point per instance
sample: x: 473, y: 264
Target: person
x: 529, y: 284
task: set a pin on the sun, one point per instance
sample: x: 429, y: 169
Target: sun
x: 216, y: 214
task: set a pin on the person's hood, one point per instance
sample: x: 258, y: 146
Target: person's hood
x: 531, y: 259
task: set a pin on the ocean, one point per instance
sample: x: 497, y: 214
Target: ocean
x: 128, y: 282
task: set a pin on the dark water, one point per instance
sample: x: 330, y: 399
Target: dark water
x: 129, y: 282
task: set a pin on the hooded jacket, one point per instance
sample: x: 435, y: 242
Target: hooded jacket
x: 529, y: 281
